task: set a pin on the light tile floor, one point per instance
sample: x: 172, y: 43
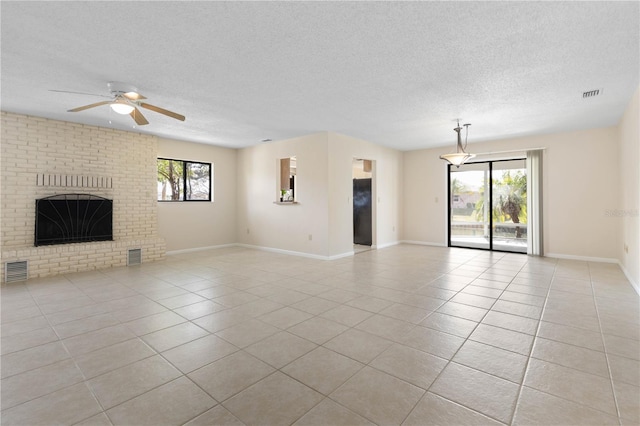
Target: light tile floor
x: 407, y: 335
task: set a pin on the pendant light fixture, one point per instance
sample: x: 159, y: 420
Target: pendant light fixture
x: 460, y: 156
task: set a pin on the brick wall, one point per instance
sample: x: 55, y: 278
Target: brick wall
x: 32, y: 146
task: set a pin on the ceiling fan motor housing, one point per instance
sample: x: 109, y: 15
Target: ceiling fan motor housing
x: 119, y: 88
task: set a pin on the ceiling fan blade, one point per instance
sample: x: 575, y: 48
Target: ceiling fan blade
x: 79, y: 93
x: 82, y: 108
x: 133, y: 96
x: 138, y: 117
x: 162, y: 111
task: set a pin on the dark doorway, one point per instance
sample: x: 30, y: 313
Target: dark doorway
x: 362, y: 217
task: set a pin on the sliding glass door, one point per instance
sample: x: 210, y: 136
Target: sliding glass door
x: 509, y: 206
x: 488, y: 206
x: 468, y: 212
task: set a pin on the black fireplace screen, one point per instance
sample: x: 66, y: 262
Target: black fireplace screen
x: 73, y: 218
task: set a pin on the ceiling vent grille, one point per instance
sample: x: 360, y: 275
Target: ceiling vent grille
x: 591, y: 93
x: 16, y: 271
x: 134, y: 257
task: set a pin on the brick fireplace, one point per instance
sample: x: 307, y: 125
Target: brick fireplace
x: 42, y: 158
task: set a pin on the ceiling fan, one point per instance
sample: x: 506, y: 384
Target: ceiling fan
x: 125, y: 99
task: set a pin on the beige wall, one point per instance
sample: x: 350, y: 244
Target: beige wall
x: 263, y: 223
x: 192, y: 225
x: 628, y: 205
x: 580, y: 185
x: 32, y: 146
x: 324, y: 194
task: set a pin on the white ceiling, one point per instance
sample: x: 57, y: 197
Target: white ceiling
x: 393, y: 73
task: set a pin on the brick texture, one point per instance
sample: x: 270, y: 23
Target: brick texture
x: 32, y: 146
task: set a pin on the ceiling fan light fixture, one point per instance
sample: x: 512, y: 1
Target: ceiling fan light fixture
x: 121, y: 107
x: 460, y: 156
x: 126, y: 100
x: 132, y: 95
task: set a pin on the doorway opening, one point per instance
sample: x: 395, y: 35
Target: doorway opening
x: 488, y: 206
x: 362, y: 205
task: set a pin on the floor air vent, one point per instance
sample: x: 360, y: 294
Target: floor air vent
x: 134, y: 257
x: 16, y: 271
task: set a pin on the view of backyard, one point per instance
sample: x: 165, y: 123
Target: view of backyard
x: 183, y: 180
x: 480, y: 222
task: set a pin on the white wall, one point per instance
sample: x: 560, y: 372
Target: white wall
x: 628, y: 206
x: 580, y: 185
x: 189, y: 225
x: 261, y: 222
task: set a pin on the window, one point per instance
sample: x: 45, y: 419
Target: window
x: 287, y: 180
x: 180, y: 180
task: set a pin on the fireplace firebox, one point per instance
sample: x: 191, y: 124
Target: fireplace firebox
x: 73, y: 218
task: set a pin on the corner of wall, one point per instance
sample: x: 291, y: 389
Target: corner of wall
x: 627, y: 212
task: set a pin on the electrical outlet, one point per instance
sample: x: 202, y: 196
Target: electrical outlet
x: 247, y: 230
x: 436, y: 199
x: 310, y: 237
x: 626, y: 248
x: 393, y: 229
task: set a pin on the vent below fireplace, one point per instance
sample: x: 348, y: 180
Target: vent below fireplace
x: 134, y: 257
x: 16, y: 271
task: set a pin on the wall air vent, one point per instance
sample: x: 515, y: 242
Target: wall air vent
x: 134, y: 257
x: 591, y: 93
x: 16, y: 271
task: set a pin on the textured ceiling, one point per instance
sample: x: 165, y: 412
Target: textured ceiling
x: 396, y: 74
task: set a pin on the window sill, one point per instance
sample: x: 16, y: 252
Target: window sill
x: 285, y: 203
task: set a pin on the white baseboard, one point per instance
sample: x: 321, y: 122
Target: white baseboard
x: 296, y: 253
x: 385, y: 245
x: 626, y: 273
x: 340, y: 256
x: 423, y: 243
x: 192, y: 250
x: 582, y: 258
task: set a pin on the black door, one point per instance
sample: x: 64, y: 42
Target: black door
x: 362, y: 212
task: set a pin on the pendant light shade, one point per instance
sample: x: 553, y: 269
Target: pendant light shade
x: 460, y: 156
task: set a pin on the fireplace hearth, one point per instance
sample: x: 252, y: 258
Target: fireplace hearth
x: 73, y: 218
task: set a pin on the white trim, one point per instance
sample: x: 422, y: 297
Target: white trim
x: 385, y: 245
x: 192, y: 250
x: 520, y: 151
x: 423, y: 243
x: 582, y: 258
x: 269, y: 249
x: 296, y: 253
x: 626, y: 273
x: 340, y: 256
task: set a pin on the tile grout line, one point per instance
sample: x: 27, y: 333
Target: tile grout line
x: 604, y: 345
x: 449, y: 361
x: 363, y: 293
x: 535, y: 338
x: 71, y: 357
